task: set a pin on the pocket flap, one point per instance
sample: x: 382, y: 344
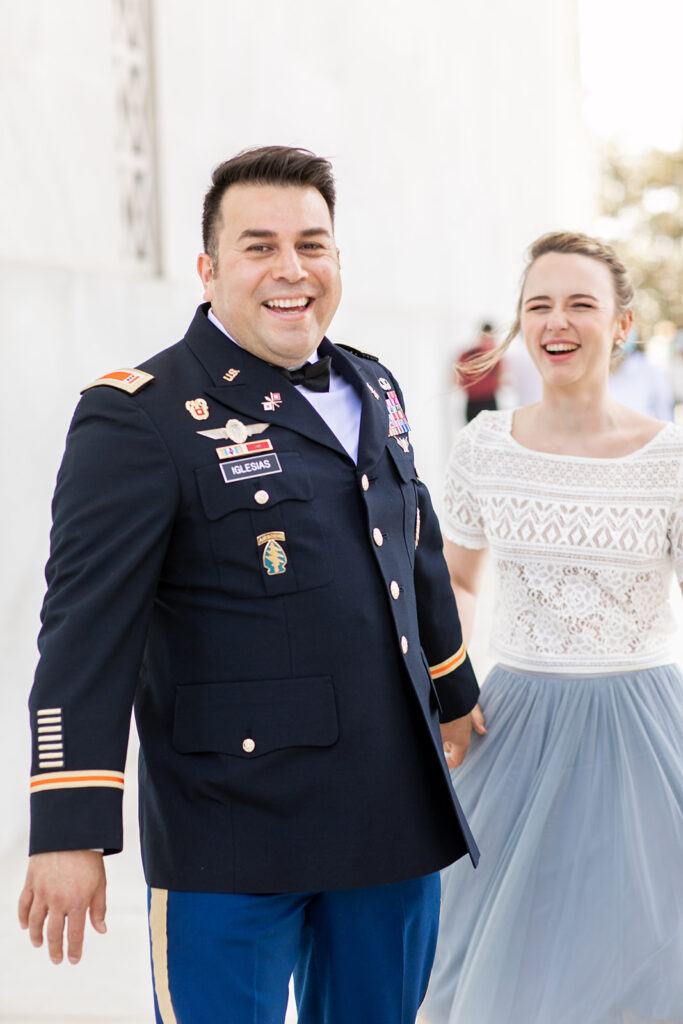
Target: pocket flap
x: 290, y: 482
x: 402, y: 460
x: 248, y: 719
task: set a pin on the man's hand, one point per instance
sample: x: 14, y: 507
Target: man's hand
x: 59, y: 886
x: 456, y: 735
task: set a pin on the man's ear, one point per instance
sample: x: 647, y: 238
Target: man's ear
x: 205, y: 271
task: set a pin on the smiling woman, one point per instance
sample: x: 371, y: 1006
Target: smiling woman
x: 575, y: 790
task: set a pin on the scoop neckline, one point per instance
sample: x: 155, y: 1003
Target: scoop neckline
x: 579, y: 458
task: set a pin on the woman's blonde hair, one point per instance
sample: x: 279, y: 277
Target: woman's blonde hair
x: 563, y: 242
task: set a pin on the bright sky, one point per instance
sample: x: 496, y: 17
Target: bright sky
x: 632, y: 70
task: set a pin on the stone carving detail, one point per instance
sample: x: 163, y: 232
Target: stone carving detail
x: 136, y: 132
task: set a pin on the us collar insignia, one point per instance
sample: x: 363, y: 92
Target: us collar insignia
x: 272, y: 401
x: 230, y: 375
x: 197, y: 408
x: 234, y: 430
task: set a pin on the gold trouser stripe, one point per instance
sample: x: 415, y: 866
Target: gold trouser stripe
x: 158, y: 927
x: 444, y: 667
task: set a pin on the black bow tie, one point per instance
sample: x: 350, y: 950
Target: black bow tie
x: 314, y: 376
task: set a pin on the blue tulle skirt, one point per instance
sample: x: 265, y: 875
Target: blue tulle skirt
x: 575, y: 913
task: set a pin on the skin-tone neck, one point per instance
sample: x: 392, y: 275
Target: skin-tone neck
x: 587, y: 424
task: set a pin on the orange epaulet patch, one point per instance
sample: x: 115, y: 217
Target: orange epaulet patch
x: 127, y: 380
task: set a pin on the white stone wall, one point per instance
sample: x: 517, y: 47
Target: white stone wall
x: 455, y: 130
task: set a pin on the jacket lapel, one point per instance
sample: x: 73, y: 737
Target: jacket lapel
x: 374, y: 420
x: 250, y: 386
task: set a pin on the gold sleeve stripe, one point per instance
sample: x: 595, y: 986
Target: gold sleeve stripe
x: 76, y: 780
x: 158, y: 930
x: 444, y: 667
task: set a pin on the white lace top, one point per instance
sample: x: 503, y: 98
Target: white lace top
x: 584, y: 548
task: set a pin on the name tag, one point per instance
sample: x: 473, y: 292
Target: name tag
x: 243, y: 468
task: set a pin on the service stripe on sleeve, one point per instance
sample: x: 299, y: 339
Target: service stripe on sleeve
x: 76, y: 780
x: 444, y: 667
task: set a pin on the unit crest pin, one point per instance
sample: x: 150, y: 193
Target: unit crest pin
x: 197, y: 408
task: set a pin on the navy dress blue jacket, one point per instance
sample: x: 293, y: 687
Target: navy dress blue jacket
x: 280, y: 617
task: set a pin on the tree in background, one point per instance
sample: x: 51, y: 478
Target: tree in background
x: 642, y: 215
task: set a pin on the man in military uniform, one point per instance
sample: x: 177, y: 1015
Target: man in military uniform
x: 242, y: 549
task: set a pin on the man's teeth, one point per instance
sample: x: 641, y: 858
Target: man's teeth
x: 560, y: 347
x: 300, y: 303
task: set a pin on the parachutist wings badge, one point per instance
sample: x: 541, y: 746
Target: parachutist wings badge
x: 234, y: 430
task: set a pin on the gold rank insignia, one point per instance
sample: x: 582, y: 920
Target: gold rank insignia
x: 197, y: 408
x: 126, y: 380
x: 274, y: 557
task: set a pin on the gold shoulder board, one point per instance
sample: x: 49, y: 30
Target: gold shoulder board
x: 127, y: 380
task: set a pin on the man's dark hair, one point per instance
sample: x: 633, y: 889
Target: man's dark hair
x: 268, y: 165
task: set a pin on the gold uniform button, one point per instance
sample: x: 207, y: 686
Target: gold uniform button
x: 404, y: 644
x: 377, y: 537
x: 248, y: 746
x: 261, y: 497
x: 395, y: 590
x: 364, y: 482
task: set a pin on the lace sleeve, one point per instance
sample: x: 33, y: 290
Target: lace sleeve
x: 463, y: 522
x: 675, y: 527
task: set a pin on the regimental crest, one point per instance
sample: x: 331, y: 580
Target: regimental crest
x: 274, y: 556
x: 197, y: 408
x: 398, y: 424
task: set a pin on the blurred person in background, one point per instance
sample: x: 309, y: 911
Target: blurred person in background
x: 676, y: 369
x: 481, y: 391
x: 575, y: 790
x: 636, y: 381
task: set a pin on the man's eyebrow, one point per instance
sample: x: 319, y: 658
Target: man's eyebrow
x: 266, y: 233
x: 257, y: 233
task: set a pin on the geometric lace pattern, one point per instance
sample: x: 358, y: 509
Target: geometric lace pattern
x: 584, y: 549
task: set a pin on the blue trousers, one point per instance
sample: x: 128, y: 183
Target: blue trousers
x: 357, y: 955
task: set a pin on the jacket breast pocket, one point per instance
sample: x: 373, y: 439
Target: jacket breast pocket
x: 263, y: 527
x: 250, y: 719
